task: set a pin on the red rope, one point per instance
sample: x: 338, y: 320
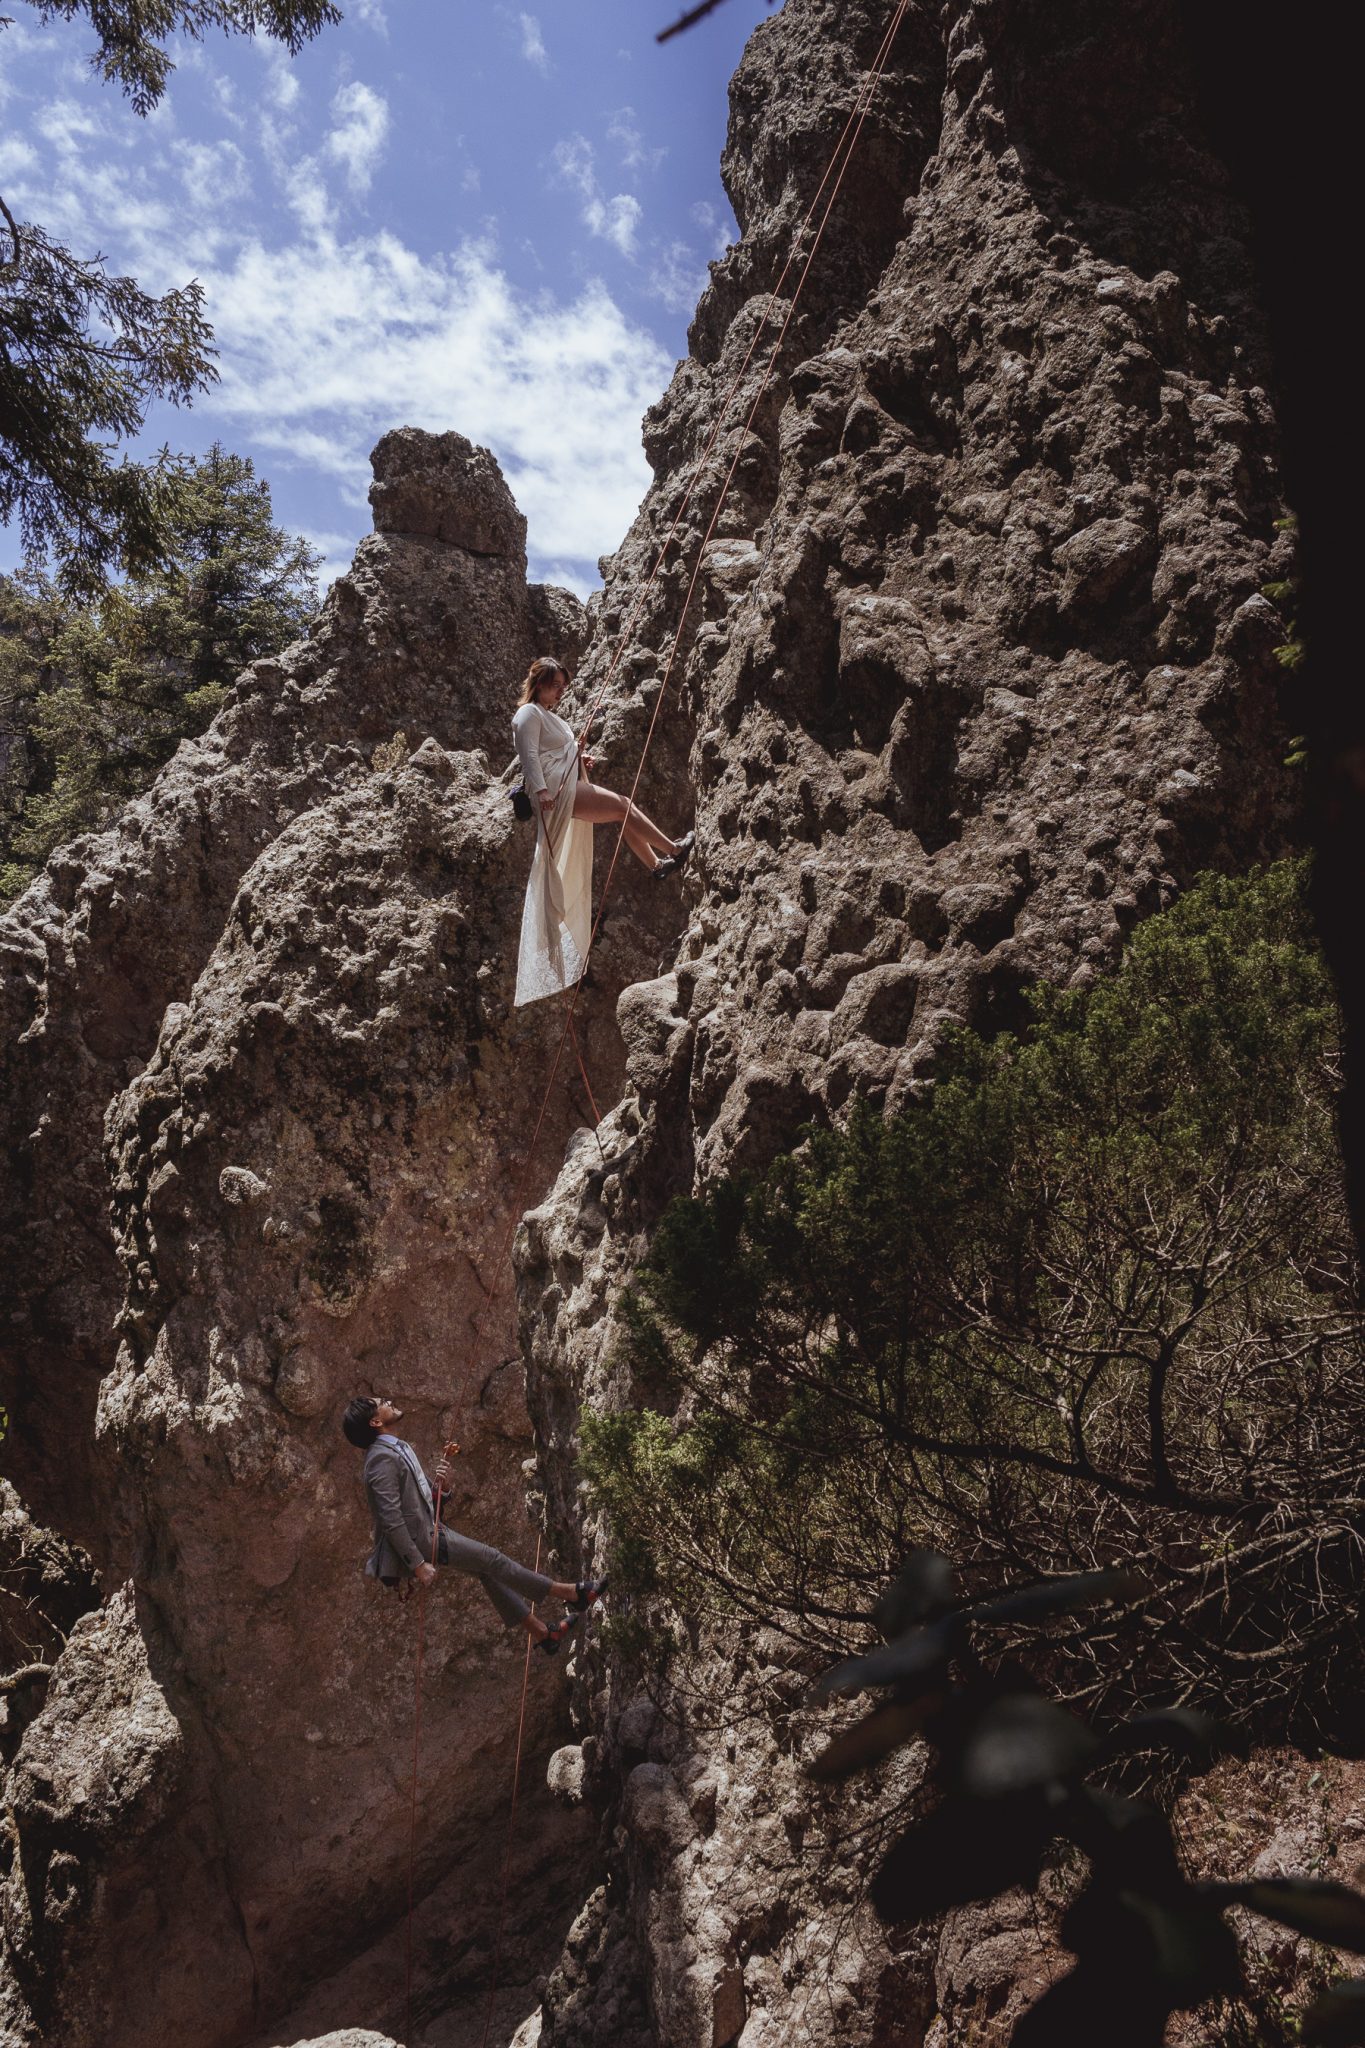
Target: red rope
x: 856, y: 113
x: 720, y: 503
x: 578, y: 1054
x: 511, y: 1833
x: 849, y: 136
x: 412, y: 1829
x: 851, y: 132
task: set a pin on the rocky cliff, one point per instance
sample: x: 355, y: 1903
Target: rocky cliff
x: 266, y: 1098
x: 982, y: 672
x: 979, y: 673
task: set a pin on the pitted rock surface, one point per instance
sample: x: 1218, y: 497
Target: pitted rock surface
x: 271, y: 1105
x: 980, y: 673
x: 424, y: 637
x: 105, y: 1820
x: 350, y: 2037
x: 442, y: 486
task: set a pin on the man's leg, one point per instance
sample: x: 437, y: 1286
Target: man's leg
x: 509, y: 1585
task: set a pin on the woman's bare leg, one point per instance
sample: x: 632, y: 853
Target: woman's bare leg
x: 645, y: 839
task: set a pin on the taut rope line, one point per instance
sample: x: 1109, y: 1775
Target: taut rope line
x: 850, y: 135
x: 855, y: 114
x: 511, y: 1831
x: 851, y: 131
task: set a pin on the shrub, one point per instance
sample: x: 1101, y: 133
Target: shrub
x: 1089, y: 1304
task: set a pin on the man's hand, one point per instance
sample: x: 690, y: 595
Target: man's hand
x: 590, y: 762
x: 445, y: 1472
x: 547, y: 803
x: 425, y: 1574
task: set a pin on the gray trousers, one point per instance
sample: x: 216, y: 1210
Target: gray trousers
x: 501, y: 1577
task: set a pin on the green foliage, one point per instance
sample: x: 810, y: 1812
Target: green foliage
x: 1013, y: 1771
x: 83, y: 353
x: 82, y: 356
x: 1089, y: 1304
x: 133, y: 34
x: 1291, y: 654
x: 95, y: 697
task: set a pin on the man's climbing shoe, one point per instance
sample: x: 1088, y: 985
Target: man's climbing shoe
x: 554, y: 1636
x: 670, y: 864
x: 587, y: 1593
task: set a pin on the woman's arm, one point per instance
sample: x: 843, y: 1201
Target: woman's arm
x: 526, y: 732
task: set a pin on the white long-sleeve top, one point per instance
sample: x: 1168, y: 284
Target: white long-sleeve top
x: 557, y: 919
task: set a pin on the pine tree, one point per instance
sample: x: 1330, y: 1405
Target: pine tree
x: 84, y: 353
x: 95, y: 696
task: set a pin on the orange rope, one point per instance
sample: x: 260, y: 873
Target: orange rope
x: 412, y: 1829
x: 711, y: 527
x: 511, y: 1833
x: 851, y: 132
x: 578, y: 1054
x: 856, y: 112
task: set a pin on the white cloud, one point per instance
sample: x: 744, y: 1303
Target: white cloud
x: 225, y: 95
x: 372, y: 15
x: 309, y: 200
x: 328, y: 338
x: 677, y: 278
x: 17, y: 159
x: 635, y: 155
x: 570, y: 576
x: 282, y: 88
x: 616, y: 220
x: 214, y: 173
x: 362, y: 127
x: 533, y: 44
x: 66, y: 124
x: 708, y: 219
x: 328, y: 343
x: 574, y: 162
x: 336, y: 550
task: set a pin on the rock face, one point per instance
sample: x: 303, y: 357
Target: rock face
x: 425, y: 636
x: 979, y: 667
x: 270, y: 1102
x: 978, y: 672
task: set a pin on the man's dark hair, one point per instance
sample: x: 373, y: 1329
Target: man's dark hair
x: 355, y: 1423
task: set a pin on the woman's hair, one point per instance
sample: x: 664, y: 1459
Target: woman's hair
x: 542, y: 668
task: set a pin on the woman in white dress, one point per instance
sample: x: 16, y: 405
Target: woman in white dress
x: 557, y: 922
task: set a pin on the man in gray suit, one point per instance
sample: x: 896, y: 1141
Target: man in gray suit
x: 407, y: 1545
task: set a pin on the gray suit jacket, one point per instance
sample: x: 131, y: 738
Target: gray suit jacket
x: 403, y: 1523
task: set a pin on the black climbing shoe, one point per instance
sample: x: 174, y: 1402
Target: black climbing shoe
x: 670, y: 864
x: 553, y: 1637
x: 587, y: 1592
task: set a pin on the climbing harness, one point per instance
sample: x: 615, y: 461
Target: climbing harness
x: 841, y: 157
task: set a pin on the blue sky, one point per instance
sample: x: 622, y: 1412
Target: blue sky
x: 443, y: 213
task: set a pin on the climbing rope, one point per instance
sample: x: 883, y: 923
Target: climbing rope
x: 843, y: 149
x: 835, y: 170
x: 855, y: 116
x: 416, y: 1751
x: 511, y: 1833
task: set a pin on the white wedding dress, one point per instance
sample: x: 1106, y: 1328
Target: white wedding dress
x: 557, y: 921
